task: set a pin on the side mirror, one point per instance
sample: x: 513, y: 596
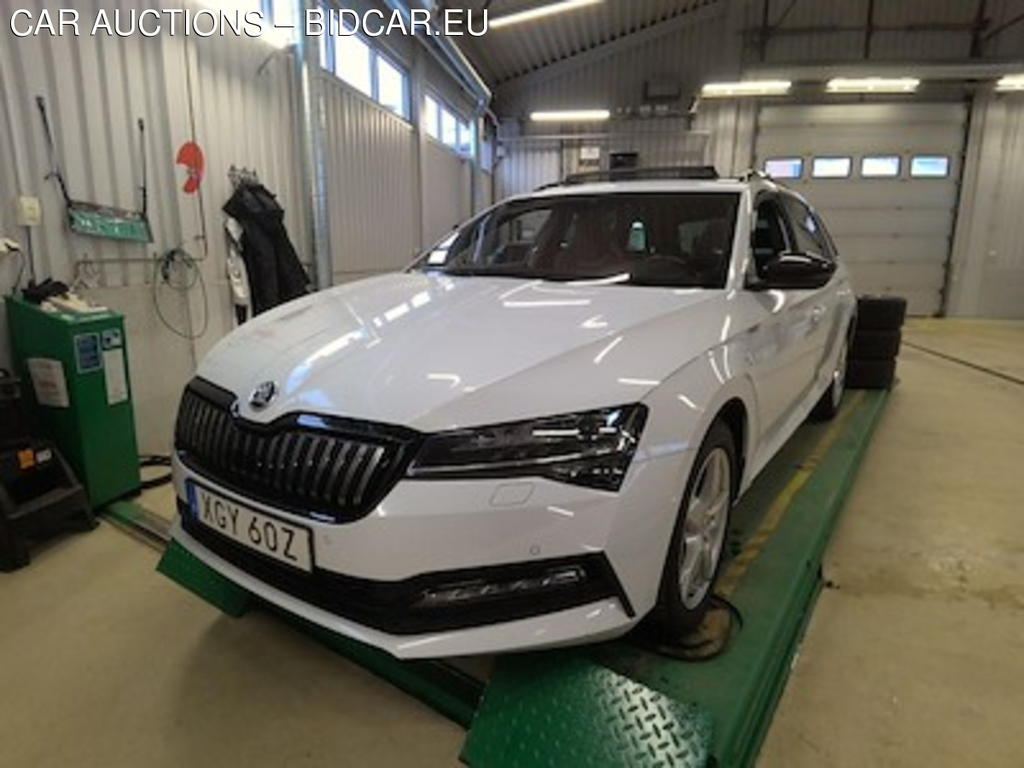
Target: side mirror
x: 794, y: 271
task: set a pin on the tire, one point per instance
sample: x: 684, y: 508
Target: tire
x: 698, y: 538
x: 871, y: 374
x: 876, y: 345
x: 881, y: 313
x: 828, y: 406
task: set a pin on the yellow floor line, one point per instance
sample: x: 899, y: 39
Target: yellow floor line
x: 755, y: 544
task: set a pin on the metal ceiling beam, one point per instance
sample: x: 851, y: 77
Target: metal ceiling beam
x: 1003, y: 27
x: 768, y: 29
x: 869, y: 29
x: 603, y: 50
x: 837, y: 28
x: 980, y: 23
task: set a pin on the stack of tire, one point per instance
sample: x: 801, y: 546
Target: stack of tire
x: 876, y: 342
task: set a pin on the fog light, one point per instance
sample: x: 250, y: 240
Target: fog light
x: 471, y: 591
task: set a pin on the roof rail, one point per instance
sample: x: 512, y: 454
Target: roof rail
x: 643, y: 174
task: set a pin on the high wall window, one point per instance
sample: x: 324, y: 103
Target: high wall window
x: 449, y: 129
x: 357, y: 62
x: 391, y: 86
x: 784, y: 167
x: 353, y: 62
x: 831, y: 167
x: 351, y: 58
x: 880, y: 166
x: 442, y: 123
x: 467, y: 138
x: 868, y: 166
x: 432, y: 117
x: 929, y: 166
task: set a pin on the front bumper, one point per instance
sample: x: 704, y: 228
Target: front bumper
x: 431, y: 602
x: 425, y: 537
x: 595, y: 621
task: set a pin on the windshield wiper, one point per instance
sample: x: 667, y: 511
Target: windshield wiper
x: 477, y: 272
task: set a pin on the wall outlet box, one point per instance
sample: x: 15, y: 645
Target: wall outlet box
x: 28, y: 211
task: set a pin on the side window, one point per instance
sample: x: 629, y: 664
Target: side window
x: 769, y: 236
x: 807, y: 230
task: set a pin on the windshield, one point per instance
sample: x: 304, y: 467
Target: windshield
x: 679, y: 240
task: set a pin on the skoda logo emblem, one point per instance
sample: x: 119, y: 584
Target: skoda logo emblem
x: 263, y: 395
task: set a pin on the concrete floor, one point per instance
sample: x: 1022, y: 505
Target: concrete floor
x: 913, y: 659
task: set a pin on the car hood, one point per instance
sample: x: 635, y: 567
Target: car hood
x: 434, y: 352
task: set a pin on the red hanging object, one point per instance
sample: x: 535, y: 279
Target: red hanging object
x: 191, y: 156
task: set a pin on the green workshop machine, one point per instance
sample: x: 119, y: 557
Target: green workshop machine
x: 75, y: 368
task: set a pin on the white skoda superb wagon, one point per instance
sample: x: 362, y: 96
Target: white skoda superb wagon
x: 533, y: 436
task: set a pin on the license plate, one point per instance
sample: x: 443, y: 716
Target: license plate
x: 284, y: 542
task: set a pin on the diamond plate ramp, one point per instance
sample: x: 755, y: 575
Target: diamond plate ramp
x: 560, y: 710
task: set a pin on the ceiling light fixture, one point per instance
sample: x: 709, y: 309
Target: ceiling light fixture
x: 571, y: 116
x: 539, y: 13
x: 1010, y: 83
x: 872, y: 85
x: 745, y: 88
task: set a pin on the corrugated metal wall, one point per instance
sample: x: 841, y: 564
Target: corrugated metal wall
x: 447, y: 179
x: 988, y: 251
x: 730, y: 126
x: 95, y: 90
x: 526, y: 165
x: 372, y: 194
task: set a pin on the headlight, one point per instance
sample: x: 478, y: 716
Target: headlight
x: 592, y: 449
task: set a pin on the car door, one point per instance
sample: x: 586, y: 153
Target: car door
x: 781, y: 345
x: 826, y: 329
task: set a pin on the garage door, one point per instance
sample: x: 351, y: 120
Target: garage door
x: 885, y: 177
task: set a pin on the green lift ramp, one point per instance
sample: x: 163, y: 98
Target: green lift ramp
x: 620, y: 703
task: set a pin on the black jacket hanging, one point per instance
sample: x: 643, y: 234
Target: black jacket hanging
x: 275, y: 273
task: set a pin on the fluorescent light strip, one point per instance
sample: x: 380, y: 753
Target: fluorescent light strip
x: 571, y: 116
x: 872, y: 85
x: 539, y: 13
x: 1011, y: 83
x: 746, y: 88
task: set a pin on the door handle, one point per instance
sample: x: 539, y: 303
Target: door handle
x: 817, y: 313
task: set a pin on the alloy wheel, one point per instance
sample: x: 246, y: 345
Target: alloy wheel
x: 703, y: 528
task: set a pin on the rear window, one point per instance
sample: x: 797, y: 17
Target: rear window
x: 678, y: 240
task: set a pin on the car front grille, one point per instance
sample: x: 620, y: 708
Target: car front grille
x: 314, y: 466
